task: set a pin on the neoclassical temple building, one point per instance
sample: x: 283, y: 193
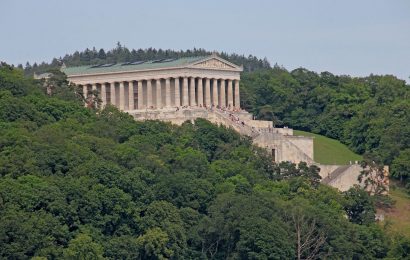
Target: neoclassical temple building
x: 177, y: 90
x: 164, y: 83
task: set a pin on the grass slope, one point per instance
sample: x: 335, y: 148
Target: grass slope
x: 330, y: 151
x: 398, y: 219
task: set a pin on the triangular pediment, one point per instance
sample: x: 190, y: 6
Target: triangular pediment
x: 215, y: 63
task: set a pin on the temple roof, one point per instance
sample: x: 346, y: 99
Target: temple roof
x: 140, y: 65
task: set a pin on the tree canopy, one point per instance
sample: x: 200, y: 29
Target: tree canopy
x: 122, y: 54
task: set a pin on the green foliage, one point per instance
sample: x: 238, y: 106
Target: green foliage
x: 83, y: 247
x: 83, y: 185
x: 359, y: 206
x: 401, y: 248
x: 14, y: 81
x: 153, y: 245
x: 287, y: 170
x: 400, y: 167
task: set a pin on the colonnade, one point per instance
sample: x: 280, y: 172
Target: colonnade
x: 168, y: 92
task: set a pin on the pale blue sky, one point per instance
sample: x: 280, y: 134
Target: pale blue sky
x: 353, y: 37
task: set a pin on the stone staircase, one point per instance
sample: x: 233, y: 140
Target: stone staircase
x: 335, y: 174
x: 228, y: 122
x: 254, y: 133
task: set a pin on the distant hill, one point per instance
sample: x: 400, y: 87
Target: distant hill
x: 330, y: 151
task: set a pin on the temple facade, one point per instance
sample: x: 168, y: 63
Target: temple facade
x: 159, y: 84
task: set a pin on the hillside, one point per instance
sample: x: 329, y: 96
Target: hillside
x: 398, y: 218
x: 76, y: 182
x: 330, y: 151
x: 371, y: 114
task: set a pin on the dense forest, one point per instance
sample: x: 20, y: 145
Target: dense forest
x: 77, y: 183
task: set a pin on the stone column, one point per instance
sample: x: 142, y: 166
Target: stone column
x: 158, y: 103
x: 200, y: 93
x: 131, y: 95
x: 192, y: 93
x: 85, y: 91
x: 140, y: 95
x: 230, y: 96
x: 103, y: 95
x: 93, y: 89
x: 167, y: 92
x: 215, y: 92
x: 113, y: 96
x: 222, y: 102
x: 149, y: 94
x: 177, y: 95
x: 207, y: 92
x: 122, y: 96
x: 237, y: 97
x: 85, y: 94
x: 185, y: 97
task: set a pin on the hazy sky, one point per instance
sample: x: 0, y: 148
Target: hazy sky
x: 355, y: 37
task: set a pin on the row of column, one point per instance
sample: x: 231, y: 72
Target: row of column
x: 169, y: 92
